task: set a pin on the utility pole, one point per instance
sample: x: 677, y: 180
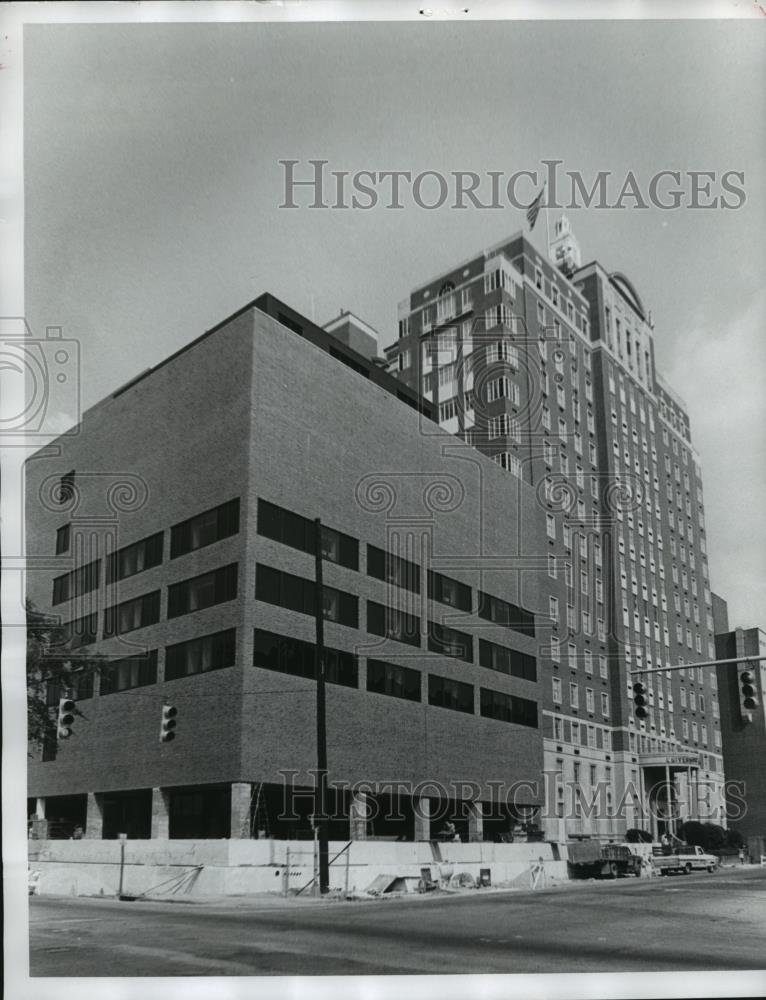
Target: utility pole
x: 320, y: 803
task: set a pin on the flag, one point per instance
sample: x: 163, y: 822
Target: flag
x: 534, y: 209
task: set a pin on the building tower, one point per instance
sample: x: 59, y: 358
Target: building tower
x: 549, y: 370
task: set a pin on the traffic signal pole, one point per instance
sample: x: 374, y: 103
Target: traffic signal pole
x: 707, y: 663
x: 320, y: 804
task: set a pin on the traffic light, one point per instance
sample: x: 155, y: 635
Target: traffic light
x: 167, y: 730
x: 640, y: 700
x: 66, y: 718
x: 747, y: 693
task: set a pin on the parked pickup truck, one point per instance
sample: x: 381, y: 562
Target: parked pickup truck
x: 590, y: 859
x: 683, y: 860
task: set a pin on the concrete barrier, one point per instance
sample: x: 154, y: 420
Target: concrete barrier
x: 196, y: 869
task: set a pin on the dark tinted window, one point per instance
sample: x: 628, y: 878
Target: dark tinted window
x: 450, y: 642
x: 197, y: 656
x: 63, y: 539
x: 391, y: 679
x: 204, y: 529
x: 81, y: 631
x: 134, y: 558
x: 507, y: 661
x: 203, y: 591
x: 448, y: 591
x: 501, y: 612
x: 131, y: 672
x: 393, y: 624
x: 297, y: 594
x: 82, y: 580
x: 298, y: 532
x: 446, y: 693
x: 130, y: 615
x: 77, y: 685
x: 393, y: 569
x: 294, y: 656
x: 508, y: 708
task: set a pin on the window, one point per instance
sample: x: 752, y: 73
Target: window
x: 82, y: 580
x: 605, y: 704
x: 204, y: 529
x: 509, y: 462
x: 501, y: 612
x: 552, y: 571
x: 63, y: 539
x: 507, y: 661
x: 130, y: 615
x: 393, y: 680
x: 81, y: 631
x: 507, y: 708
x: 553, y: 608
x: 448, y: 591
x: 448, y: 410
x: 131, y: 672
x: 550, y: 524
x: 298, y: 532
x: 574, y: 697
x: 502, y: 388
x: 556, y: 684
x: 450, y: 642
x: 65, y: 492
x: 393, y: 569
x: 589, y: 704
x: 298, y: 594
x: 133, y: 559
x: 77, y: 685
x: 203, y: 591
x: 393, y: 624
x: 446, y: 693
x: 293, y: 656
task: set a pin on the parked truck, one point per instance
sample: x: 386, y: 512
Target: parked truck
x: 591, y: 859
x: 682, y: 860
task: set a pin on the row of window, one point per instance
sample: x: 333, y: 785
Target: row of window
x: 574, y: 697
x: 297, y: 594
x: 195, y: 533
x: 199, y: 592
x: 182, y: 659
x: 296, y: 657
x: 298, y: 532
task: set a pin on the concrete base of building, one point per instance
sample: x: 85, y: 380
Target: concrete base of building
x: 176, y: 869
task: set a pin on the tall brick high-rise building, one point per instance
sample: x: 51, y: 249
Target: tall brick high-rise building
x: 547, y: 366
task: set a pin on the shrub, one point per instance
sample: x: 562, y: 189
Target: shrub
x: 636, y: 836
x: 708, y: 836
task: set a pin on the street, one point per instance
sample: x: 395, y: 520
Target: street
x: 697, y: 922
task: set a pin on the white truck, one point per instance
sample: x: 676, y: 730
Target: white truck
x: 683, y: 860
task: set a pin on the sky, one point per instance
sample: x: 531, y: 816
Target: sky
x: 152, y: 186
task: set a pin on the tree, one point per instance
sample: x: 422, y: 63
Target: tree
x: 636, y: 836
x: 52, y: 664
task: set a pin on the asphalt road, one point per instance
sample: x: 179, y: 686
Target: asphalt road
x: 698, y: 922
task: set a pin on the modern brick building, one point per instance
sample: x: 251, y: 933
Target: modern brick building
x: 548, y: 368
x: 173, y: 533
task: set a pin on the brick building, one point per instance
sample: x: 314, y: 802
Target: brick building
x: 743, y: 728
x: 173, y: 534
x: 547, y: 366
